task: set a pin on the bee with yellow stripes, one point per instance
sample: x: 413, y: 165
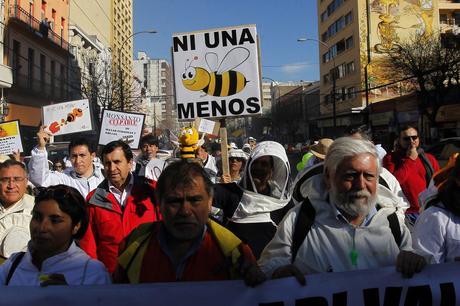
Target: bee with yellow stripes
x: 222, y: 81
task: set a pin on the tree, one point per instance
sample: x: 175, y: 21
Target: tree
x: 432, y: 65
x: 101, y: 84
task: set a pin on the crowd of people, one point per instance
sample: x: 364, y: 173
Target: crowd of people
x: 140, y: 219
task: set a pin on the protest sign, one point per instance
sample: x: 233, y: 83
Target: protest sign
x: 216, y: 73
x: 10, y: 137
x: 435, y: 285
x: 67, y: 117
x: 207, y: 126
x: 121, y: 126
x: 153, y: 169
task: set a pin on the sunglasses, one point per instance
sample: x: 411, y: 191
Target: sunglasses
x: 413, y: 138
x: 235, y: 159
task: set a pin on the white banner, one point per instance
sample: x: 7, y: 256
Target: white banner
x: 67, y: 117
x: 10, y: 137
x: 216, y: 73
x: 382, y: 287
x: 121, y: 126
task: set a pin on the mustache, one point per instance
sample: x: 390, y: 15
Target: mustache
x: 358, y: 194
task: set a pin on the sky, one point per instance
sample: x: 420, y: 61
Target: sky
x: 279, y: 24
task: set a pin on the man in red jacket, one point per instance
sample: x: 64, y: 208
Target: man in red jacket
x: 117, y: 206
x: 412, y: 168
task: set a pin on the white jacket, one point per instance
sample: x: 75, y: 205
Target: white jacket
x: 437, y: 234
x: 76, y: 266
x: 255, y: 207
x: 14, y: 226
x: 40, y: 175
x: 330, y: 240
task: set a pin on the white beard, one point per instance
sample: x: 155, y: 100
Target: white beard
x: 351, y: 204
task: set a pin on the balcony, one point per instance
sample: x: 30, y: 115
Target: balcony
x: 449, y: 4
x: 450, y: 25
x: 19, y: 15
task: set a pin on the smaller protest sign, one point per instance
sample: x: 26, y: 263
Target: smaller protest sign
x: 67, y: 117
x: 153, y: 169
x: 121, y: 126
x: 10, y: 137
x: 207, y: 126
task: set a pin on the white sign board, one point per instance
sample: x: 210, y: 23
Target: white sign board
x: 10, y: 137
x: 216, y: 73
x: 67, y: 117
x: 121, y: 126
x: 153, y: 169
x: 436, y: 285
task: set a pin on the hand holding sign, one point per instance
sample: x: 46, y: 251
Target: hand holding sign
x: 43, y: 137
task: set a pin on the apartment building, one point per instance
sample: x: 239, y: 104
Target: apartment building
x: 90, y: 30
x: 355, y: 35
x: 37, y: 49
x: 6, y: 74
x: 121, y: 39
x: 155, y: 75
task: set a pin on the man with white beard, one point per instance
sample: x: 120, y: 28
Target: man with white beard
x: 340, y: 226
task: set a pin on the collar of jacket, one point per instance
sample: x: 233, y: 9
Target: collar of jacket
x: 103, y: 198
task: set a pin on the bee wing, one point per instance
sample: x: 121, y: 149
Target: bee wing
x: 212, y: 60
x: 233, y: 59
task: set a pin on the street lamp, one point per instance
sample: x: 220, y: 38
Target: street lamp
x: 122, y: 95
x: 334, y: 115
x: 277, y: 103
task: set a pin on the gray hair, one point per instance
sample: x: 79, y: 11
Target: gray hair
x: 346, y: 147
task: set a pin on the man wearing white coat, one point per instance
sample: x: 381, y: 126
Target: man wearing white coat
x: 350, y: 228
x: 85, y: 175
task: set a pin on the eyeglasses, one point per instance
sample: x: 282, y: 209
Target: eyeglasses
x: 14, y: 179
x: 409, y: 138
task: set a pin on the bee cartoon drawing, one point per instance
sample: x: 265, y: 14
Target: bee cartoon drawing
x: 222, y: 81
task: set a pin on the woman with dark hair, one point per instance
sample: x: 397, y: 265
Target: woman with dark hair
x: 52, y: 257
x: 437, y: 230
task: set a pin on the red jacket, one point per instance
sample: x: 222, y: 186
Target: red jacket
x: 410, y: 175
x: 109, y: 223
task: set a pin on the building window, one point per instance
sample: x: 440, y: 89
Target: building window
x: 43, y: 12
x: 42, y: 72
x: 53, y: 77
x: 351, y: 93
x: 350, y: 68
x: 62, y: 79
x: 348, y: 18
x: 30, y: 67
x: 16, y: 60
x: 349, y: 42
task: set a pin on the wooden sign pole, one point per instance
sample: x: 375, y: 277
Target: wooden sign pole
x: 224, y: 147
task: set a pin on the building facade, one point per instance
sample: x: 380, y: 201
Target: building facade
x: 122, y: 46
x: 155, y: 75
x: 355, y: 37
x: 37, y: 49
x: 90, y: 30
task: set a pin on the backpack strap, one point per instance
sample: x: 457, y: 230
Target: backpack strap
x: 303, y: 224
x: 429, y: 170
x: 383, y: 182
x: 14, y: 265
x: 395, y: 228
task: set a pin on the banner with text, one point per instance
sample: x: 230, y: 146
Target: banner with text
x: 10, y: 137
x: 216, y: 73
x: 121, y: 126
x: 436, y: 285
x: 67, y: 117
